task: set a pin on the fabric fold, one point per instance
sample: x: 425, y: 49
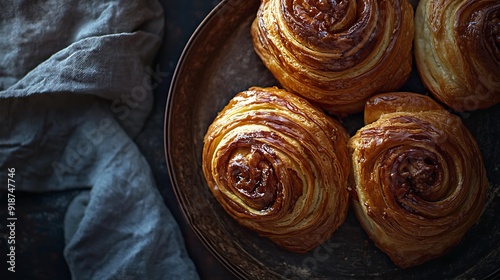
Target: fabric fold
x: 75, y: 89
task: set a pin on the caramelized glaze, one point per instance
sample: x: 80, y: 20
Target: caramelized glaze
x: 419, y: 179
x: 457, y: 51
x: 277, y: 165
x: 336, y: 53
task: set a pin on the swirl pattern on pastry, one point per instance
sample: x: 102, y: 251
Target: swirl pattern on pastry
x: 457, y: 51
x: 277, y: 165
x: 418, y: 176
x: 336, y: 53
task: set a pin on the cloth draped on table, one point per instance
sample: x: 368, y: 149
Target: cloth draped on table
x: 76, y: 87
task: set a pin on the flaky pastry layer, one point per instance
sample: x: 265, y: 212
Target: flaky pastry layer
x: 279, y: 166
x: 457, y: 51
x: 418, y: 178
x: 336, y: 53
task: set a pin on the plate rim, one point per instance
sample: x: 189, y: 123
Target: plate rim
x: 167, y: 140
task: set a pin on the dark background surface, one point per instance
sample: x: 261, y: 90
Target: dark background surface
x: 40, y: 237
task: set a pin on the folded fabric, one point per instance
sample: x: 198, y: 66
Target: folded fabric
x: 75, y: 89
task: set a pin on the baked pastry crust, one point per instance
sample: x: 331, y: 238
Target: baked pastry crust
x: 419, y: 182
x: 279, y: 166
x: 336, y: 53
x: 457, y: 51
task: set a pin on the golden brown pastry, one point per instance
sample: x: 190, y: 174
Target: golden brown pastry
x: 457, y: 51
x: 279, y: 166
x: 336, y: 53
x: 419, y: 182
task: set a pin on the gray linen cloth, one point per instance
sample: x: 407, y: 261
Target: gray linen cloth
x: 75, y: 89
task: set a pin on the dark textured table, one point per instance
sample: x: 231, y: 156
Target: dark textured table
x: 39, y: 238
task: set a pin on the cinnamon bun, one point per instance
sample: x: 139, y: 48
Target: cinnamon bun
x: 336, y: 53
x: 457, y: 51
x: 419, y: 182
x: 277, y: 165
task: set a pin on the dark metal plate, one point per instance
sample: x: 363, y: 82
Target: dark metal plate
x: 218, y: 62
